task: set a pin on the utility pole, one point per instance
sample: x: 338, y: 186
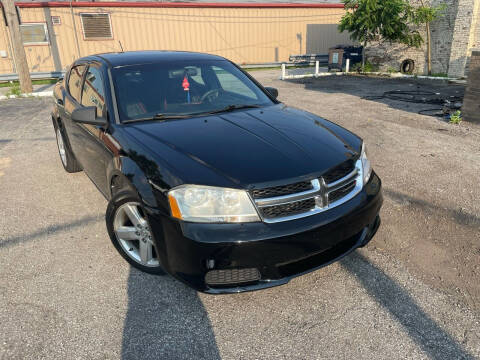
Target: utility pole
x: 17, y: 45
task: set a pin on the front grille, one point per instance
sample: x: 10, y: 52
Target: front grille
x: 339, y: 171
x: 289, y: 209
x: 341, y: 192
x: 282, y: 190
x: 282, y: 203
x: 232, y: 277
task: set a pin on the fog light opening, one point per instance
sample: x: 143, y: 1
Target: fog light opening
x: 210, y: 263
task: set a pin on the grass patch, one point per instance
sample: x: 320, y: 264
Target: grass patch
x: 14, y: 90
x: 34, y: 82
x: 262, y: 68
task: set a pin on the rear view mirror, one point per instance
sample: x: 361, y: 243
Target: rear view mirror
x: 191, y: 71
x: 180, y: 73
x: 88, y: 115
x: 272, y: 91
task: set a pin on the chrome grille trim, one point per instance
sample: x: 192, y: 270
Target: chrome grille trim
x: 340, y: 182
x: 320, y: 191
x: 285, y: 199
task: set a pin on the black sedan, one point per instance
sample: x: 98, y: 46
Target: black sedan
x: 208, y: 176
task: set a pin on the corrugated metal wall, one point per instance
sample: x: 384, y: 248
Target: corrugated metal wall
x: 244, y: 35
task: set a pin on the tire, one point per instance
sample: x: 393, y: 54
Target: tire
x: 130, y: 233
x: 407, y: 66
x: 68, y: 160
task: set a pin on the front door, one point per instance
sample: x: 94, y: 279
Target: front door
x: 88, y: 140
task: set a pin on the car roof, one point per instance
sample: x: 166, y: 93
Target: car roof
x: 117, y: 59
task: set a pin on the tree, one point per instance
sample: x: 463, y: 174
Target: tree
x: 372, y: 20
x: 18, y: 49
x: 424, y: 15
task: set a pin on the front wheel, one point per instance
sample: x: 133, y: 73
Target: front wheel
x: 131, y: 234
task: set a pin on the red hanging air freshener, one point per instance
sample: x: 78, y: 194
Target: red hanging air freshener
x: 186, y: 84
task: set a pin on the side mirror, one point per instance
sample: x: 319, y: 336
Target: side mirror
x: 88, y: 115
x: 272, y: 91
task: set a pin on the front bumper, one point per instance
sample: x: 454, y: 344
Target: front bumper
x: 280, y: 251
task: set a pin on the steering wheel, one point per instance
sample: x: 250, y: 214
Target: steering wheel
x: 210, y: 95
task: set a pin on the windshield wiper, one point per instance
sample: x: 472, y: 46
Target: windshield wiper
x: 185, y: 116
x: 157, y: 117
x: 229, y: 108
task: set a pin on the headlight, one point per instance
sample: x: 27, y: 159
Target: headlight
x: 366, y: 166
x: 209, y: 204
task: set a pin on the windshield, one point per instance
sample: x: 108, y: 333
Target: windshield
x: 183, y: 88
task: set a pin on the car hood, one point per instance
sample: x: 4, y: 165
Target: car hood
x: 248, y: 147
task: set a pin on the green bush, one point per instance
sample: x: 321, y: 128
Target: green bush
x: 456, y: 117
x: 369, y: 67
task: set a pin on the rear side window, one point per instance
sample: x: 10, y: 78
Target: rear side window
x: 93, y: 92
x: 75, y: 81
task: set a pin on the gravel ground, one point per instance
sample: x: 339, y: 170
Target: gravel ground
x: 413, y: 293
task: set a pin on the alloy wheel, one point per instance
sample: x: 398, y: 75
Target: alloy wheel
x: 134, y: 235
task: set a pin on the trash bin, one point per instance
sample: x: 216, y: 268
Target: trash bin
x: 338, y: 55
x: 335, y: 59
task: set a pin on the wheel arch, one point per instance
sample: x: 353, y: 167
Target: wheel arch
x: 124, y: 174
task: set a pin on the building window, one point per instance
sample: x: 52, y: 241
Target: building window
x: 56, y: 20
x: 96, y: 26
x: 34, y: 34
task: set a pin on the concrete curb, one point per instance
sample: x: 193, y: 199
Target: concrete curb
x: 35, y: 94
x: 400, y: 75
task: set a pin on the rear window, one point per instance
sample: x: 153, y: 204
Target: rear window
x: 182, y: 88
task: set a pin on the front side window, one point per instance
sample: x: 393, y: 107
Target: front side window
x: 229, y: 82
x: 183, y: 88
x: 93, y: 92
x: 75, y: 81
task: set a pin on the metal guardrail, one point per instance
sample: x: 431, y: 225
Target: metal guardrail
x: 309, y: 59
x: 35, y: 75
x: 313, y: 70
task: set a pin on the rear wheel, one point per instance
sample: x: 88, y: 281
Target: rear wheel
x: 70, y: 164
x: 131, y: 234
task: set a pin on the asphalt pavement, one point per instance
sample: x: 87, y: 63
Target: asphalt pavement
x: 65, y: 293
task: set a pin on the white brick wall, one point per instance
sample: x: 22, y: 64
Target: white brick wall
x: 464, y: 28
x: 453, y: 35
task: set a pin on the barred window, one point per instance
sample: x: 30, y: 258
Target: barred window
x: 34, y: 33
x: 56, y: 20
x: 96, y: 26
